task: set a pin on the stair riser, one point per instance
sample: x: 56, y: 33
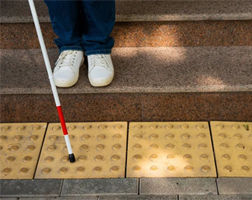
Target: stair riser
x: 129, y: 107
x: 143, y: 34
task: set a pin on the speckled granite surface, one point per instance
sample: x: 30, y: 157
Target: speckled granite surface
x: 24, y: 36
x: 196, y: 33
x: 139, y: 10
x: 139, y: 70
x: 141, y: 34
x: 198, y: 106
x: 104, y: 107
x: 231, y: 106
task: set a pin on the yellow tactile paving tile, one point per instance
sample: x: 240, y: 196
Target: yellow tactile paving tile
x: 170, y: 149
x: 99, y: 149
x: 233, y: 148
x: 20, y: 145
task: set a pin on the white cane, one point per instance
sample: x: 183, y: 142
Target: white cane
x: 49, y: 71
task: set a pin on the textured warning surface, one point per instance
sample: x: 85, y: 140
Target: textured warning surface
x: 20, y: 145
x: 170, y: 149
x: 99, y: 149
x: 233, y: 148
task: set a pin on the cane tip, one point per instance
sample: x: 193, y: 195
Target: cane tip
x: 72, y: 158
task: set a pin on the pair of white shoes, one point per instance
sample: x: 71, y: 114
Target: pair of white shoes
x: 66, y: 71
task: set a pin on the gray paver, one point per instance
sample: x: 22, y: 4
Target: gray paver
x: 139, y: 197
x: 75, y: 187
x: 8, y: 198
x: 30, y: 188
x: 77, y: 198
x: 44, y: 198
x: 235, y: 185
x: 62, y: 198
x: 169, y: 186
x: 215, y: 197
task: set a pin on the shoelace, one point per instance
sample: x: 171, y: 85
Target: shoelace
x: 66, y: 59
x: 98, y: 60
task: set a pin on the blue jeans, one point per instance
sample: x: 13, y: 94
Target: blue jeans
x: 83, y: 24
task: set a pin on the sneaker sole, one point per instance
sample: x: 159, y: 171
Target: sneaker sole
x: 69, y: 83
x: 101, y: 83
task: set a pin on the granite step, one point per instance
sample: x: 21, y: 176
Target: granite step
x: 142, y: 34
x: 150, y: 84
x: 142, y: 10
x: 138, y: 70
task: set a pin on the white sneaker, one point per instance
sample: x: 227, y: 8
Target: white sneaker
x: 100, y: 70
x: 66, y: 71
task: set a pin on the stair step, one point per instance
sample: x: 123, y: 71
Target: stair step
x: 142, y: 10
x: 139, y: 70
x: 143, y: 34
x: 151, y: 84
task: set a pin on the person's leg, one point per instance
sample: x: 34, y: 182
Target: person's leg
x: 98, y: 18
x: 66, y: 22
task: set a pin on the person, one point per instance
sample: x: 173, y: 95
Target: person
x: 83, y: 26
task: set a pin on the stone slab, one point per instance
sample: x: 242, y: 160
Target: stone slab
x: 165, y: 10
x: 45, y: 198
x: 129, y: 107
x: 171, y: 186
x: 62, y: 198
x: 198, y: 107
x: 235, y: 185
x: 139, y: 197
x: 77, y: 198
x: 8, y: 198
x: 76, y: 108
x: 95, y: 187
x: 177, y: 69
x: 30, y: 188
x: 215, y: 197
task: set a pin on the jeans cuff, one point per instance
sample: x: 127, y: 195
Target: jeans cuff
x: 77, y: 48
x: 102, y: 51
